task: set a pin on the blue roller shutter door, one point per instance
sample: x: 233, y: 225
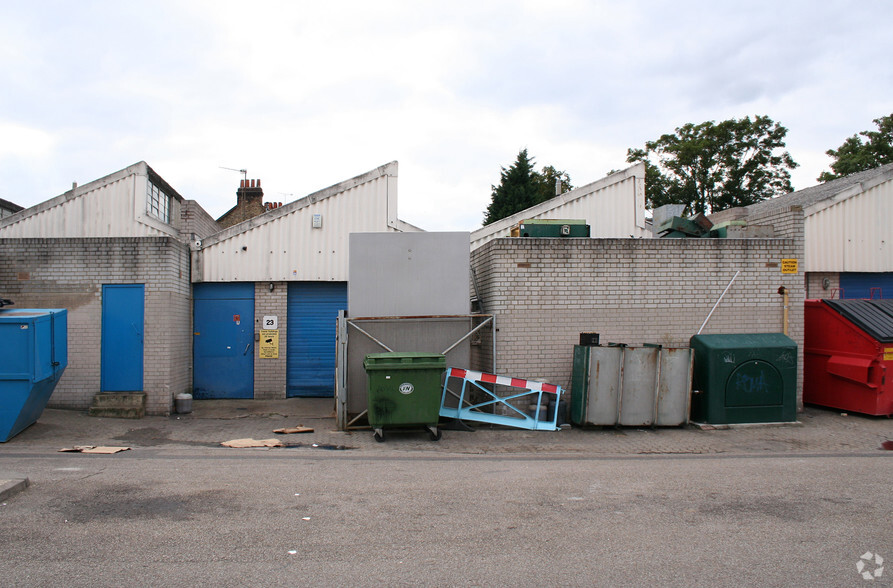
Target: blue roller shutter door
x: 312, y: 312
x: 866, y: 285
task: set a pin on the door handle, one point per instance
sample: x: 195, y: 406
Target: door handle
x: 247, y: 347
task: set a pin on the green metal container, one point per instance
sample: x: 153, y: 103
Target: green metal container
x: 553, y: 228
x: 580, y: 383
x: 404, y: 389
x: 744, y: 378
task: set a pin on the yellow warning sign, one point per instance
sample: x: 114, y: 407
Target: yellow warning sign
x: 789, y: 266
x: 888, y: 353
x: 269, y: 344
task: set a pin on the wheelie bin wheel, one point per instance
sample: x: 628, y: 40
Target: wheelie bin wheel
x: 434, y: 433
x: 378, y: 436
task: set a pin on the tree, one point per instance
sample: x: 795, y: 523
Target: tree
x: 521, y: 187
x: 549, y: 178
x: 855, y: 155
x: 710, y: 167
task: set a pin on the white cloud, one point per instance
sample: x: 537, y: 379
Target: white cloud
x: 22, y: 142
x: 307, y: 95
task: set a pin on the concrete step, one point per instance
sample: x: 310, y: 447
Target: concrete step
x: 122, y: 405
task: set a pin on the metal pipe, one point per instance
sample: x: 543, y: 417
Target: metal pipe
x: 358, y: 417
x: 657, y: 375
x: 474, y: 284
x: 493, y: 362
x: 620, y: 386
x: 352, y: 324
x: 718, y: 301
x: 467, y: 335
x: 786, y: 299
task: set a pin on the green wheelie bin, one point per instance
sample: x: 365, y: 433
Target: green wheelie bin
x: 404, y: 390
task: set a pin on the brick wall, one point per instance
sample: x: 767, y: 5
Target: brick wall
x: 70, y: 273
x: 815, y: 285
x: 249, y: 204
x: 270, y: 374
x: 547, y: 291
x: 196, y: 223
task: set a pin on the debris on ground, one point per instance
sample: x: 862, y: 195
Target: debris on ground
x: 298, y: 429
x: 240, y: 443
x: 105, y: 450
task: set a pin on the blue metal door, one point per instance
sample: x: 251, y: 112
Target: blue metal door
x: 121, y: 343
x: 223, y: 341
x: 866, y: 285
x: 312, y: 311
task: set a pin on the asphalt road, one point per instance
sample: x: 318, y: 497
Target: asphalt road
x: 340, y: 518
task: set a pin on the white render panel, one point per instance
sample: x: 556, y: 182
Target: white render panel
x: 613, y: 207
x: 282, y: 245
x: 852, y: 233
x: 114, y: 206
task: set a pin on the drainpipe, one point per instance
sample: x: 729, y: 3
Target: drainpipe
x: 786, y: 298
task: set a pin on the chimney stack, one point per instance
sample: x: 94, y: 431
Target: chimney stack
x: 249, y: 203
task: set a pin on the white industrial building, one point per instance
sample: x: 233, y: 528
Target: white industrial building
x: 122, y: 253
x: 613, y: 207
x: 162, y: 300
x: 847, y: 234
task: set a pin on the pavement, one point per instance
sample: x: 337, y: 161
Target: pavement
x: 212, y: 422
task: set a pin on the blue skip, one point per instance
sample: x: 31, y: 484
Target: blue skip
x: 33, y: 355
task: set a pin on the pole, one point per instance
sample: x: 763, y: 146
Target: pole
x: 718, y: 301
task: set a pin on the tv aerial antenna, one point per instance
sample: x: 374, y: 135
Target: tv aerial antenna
x: 244, y: 172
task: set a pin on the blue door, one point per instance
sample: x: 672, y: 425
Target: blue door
x: 312, y: 312
x: 223, y: 341
x: 866, y: 285
x: 121, y: 344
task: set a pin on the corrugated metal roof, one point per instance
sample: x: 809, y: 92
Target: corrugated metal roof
x: 283, y: 245
x: 112, y: 206
x: 11, y: 207
x: 875, y: 317
x: 613, y: 207
x: 850, y: 231
x: 810, y: 196
x: 846, y: 221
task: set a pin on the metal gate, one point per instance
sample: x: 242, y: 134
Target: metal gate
x: 451, y: 335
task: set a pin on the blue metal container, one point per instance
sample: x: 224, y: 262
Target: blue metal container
x: 33, y: 355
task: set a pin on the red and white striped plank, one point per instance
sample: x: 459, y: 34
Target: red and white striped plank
x: 501, y: 380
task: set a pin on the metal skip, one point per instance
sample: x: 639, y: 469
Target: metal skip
x: 539, y: 395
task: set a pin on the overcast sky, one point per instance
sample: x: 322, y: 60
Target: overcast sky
x: 305, y: 95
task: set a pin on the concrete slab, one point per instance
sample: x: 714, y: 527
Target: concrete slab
x: 11, y: 487
x: 212, y: 422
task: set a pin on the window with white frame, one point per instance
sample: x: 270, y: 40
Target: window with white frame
x: 158, y: 204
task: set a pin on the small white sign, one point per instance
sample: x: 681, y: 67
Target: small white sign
x: 271, y: 322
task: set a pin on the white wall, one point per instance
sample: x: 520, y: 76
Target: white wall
x: 283, y: 245
x: 852, y: 232
x: 113, y: 206
x: 613, y: 207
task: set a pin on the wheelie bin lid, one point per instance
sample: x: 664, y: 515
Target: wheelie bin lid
x: 404, y: 360
x: 875, y: 317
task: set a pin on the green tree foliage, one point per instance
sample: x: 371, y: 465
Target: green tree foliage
x: 521, y: 187
x: 855, y: 155
x: 713, y: 166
